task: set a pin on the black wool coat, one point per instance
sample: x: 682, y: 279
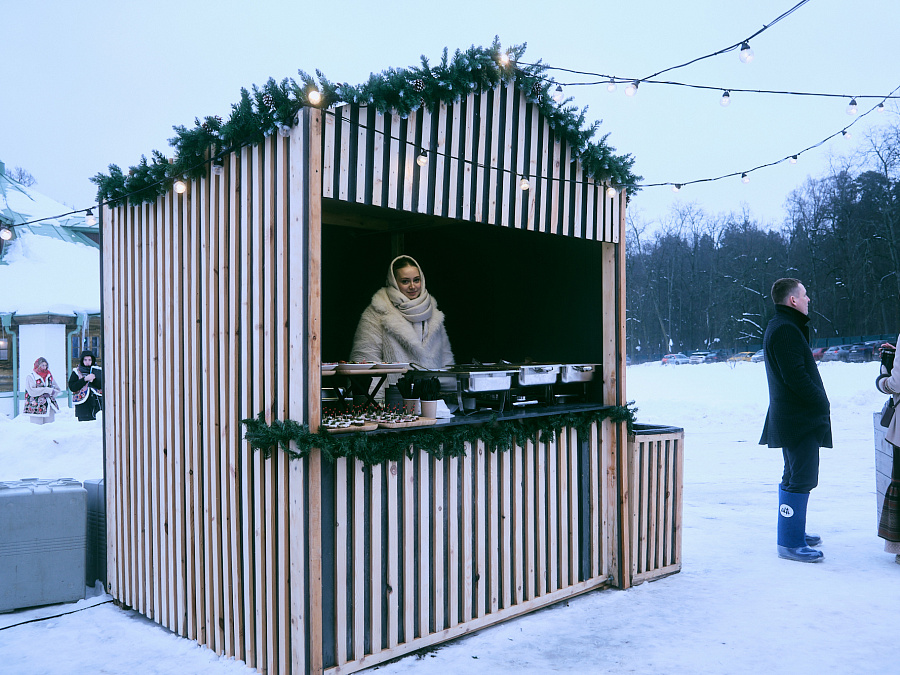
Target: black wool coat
x: 798, y: 404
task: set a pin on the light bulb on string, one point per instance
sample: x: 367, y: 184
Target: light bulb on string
x: 180, y: 186
x: 558, y: 94
x: 611, y: 192
x: 745, y: 178
x: 314, y: 96
x: 746, y: 55
x: 852, y: 108
x: 725, y: 100
x: 611, y: 86
x: 846, y: 134
x: 89, y: 218
x: 6, y: 234
x: 676, y: 187
x: 631, y: 88
x: 793, y: 159
x: 504, y: 59
x: 880, y: 107
x: 524, y: 185
x: 422, y: 159
x: 218, y: 168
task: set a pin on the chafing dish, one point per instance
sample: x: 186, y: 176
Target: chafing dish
x: 537, y: 374
x: 578, y: 372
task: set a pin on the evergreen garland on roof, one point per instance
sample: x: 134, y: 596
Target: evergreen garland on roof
x: 274, y: 105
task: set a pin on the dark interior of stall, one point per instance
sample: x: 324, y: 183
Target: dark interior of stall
x: 506, y: 294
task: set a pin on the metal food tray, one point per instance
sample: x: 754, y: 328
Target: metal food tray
x: 532, y: 375
x: 579, y: 372
x: 489, y: 380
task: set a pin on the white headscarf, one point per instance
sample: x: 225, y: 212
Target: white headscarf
x: 417, y: 310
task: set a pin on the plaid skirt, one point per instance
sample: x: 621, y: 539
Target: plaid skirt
x: 889, y: 526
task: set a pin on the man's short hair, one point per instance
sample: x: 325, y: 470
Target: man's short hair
x: 782, y: 290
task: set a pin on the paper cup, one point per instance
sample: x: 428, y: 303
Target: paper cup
x: 429, y: 409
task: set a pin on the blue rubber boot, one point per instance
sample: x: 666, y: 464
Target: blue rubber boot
x: 792, y: 528
x: 813, y: 539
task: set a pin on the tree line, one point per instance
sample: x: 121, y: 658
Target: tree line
x: 702, y: 282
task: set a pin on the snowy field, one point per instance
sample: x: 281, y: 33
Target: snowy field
x: 735, y: 608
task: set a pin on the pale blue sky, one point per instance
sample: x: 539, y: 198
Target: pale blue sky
x: 88, y: 84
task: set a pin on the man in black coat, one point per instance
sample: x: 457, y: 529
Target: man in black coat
x: 799, y: 417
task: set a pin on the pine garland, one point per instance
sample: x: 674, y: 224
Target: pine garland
x: 441, y: 442
x: 403, y: 91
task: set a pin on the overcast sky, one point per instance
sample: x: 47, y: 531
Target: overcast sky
x: 85, y: 85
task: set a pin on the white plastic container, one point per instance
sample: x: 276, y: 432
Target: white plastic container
x: 42, y: 542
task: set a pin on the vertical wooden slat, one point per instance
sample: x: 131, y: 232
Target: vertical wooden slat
x: 492, y: 157
x: 394, y: 172
x: 196, y: 404
x: 532, y: 506
x: 438, y: 566
x: 481, y: 158
x: 341, y: 562
x: 393, y: 556
x: 481, y: 541
x: 411, y: 168
x: 343, y: 151
x: 145, y: 573
x: 596, y: 502
x: 378, y: 150
x: 518, y: 520
x: 542, y: 518
x: 408, y: 550
x: 553, y: 514
x: 329, y: 121
x: 359, y: 535
x: 466, y: 516
x: 572, y: 479
x: 454, y: 529
x: 111, y: 260
x: 505, y: 513
x: 376, y: 586
x: 455, y: 154
x: 493, y: 540
x: 422, y: 172
x: 440, y: 161
x: 424, y: 557
x: 562, y: 503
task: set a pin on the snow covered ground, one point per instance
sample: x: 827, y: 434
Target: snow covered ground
x: 735, y: 608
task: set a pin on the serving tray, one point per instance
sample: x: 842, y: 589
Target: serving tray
x: 368, y: 426
x: 421, y: 422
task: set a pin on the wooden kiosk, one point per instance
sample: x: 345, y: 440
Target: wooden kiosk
x: 221, y: 302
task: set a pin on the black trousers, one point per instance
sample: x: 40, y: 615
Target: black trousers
x: 801, y: 466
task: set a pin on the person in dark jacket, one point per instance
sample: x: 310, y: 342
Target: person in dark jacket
x: 86, y: 385
x: 799, y: 416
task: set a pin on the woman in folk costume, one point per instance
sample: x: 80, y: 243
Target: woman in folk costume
x: 40, y: 393
x: 403, y: 323
x: 86, y: 385
x: 889, y: 525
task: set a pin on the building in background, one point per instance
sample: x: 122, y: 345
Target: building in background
x: 49, y: 287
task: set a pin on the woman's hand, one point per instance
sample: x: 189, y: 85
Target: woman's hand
x: 90, y: 377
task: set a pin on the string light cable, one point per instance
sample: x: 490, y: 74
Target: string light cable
x: 792, y: 158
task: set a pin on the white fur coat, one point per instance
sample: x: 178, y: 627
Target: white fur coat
x: 385, y: 336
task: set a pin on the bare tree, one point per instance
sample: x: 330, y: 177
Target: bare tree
x: 22, y: 176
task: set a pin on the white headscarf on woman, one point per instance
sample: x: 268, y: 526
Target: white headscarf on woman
x: 417, y: 310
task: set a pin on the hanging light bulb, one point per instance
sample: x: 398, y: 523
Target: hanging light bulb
x: 880, y: 107
x: 5, y: 234
x: 746, y: 55
x: 89, y: 218
x: 725, y: 100
x: 524, y: 185
x: 422, y: 159
x: 558, y: 94
x: 218, y: 168
x: 314, y: 96
x: 745, y: 178
x: 611, y: 192
x: 676, y: 187
x: 852, y: 108
x: 793, y: 159
x: 504, y: 59
x: 611, y: 87
x: 631, y: 88
x: 284, y: 130
x: 180, y: 186
x: 846, y: 134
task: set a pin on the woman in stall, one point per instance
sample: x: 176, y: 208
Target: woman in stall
x: 402, y: 322
x: 888, y: 382
x: 40, y: 393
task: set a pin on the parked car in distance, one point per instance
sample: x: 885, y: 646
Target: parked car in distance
x: 717, y: 356
x: 699, y: 357
x: 836, y: 353
x: 818, y: 352
x: 675, y: 359
x: 860, y: 353
x: 758, y: 356
x: 740, y: 356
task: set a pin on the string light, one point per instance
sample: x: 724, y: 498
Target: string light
x: 180, y: 186
x: 880, y: 107
x: 725, y: 100
x: 676, y: 187
x: 611, y: 85
x: 793, y: 159
x: 504, y: 59
x: 314, y: 96
x: 745, y: 178
x: 6, y: 234
x: 422, y: 159
x: 524, y: 185
x: 89, y: 218
x: 611, y: 192
x: 846, y: 134
x: 631, y: 88
x: 218, y: 168
x: 852, y: 108
x: 746, y: 55
x: 284, y: 130
x: 558, y: 94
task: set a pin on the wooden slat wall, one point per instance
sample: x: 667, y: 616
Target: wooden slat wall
x: 199, y: 334
x: 657, y: 481
x: 478, y: 150
x: 482, y: 505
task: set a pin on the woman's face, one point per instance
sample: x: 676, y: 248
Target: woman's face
x: 409, y: 281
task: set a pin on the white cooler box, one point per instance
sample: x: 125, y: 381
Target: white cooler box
x: 42, y: 542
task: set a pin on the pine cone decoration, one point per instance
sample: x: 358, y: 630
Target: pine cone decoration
x: 268, y: 100
x: 418, y: 85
